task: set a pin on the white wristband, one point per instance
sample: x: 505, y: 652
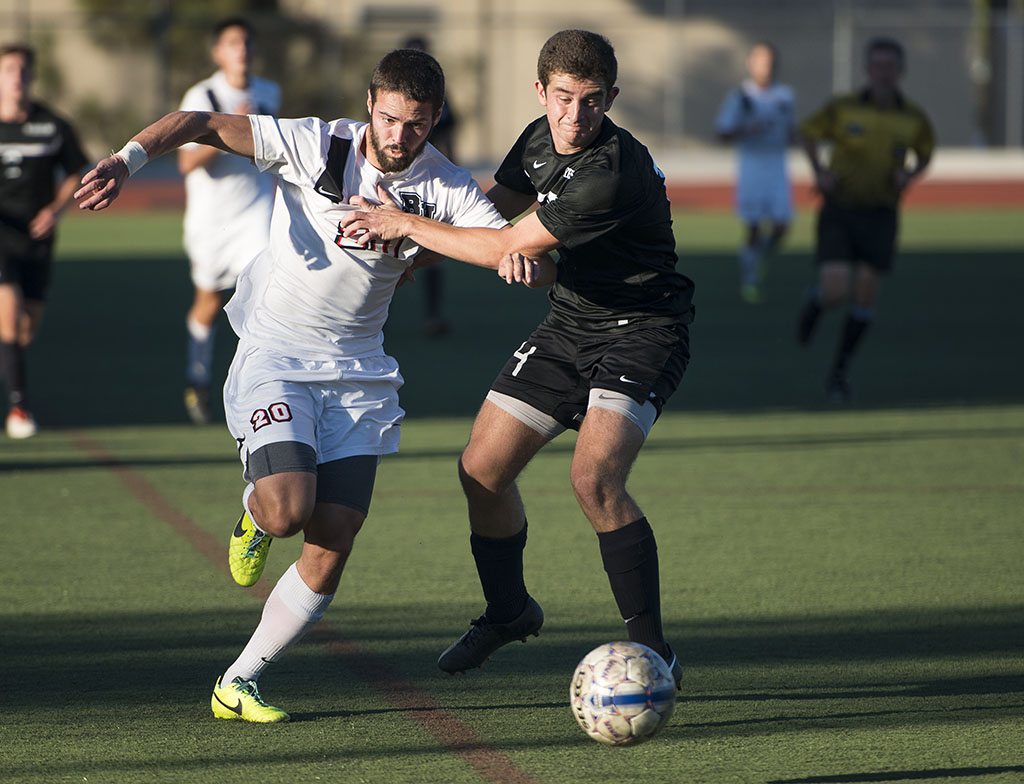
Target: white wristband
x: 134, y: 156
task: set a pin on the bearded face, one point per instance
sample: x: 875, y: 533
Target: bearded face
x: 399, y: 129
x: 394, y: 156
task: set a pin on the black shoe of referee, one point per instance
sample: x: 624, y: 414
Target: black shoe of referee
x: 838, y: 388
x: 484, y: 637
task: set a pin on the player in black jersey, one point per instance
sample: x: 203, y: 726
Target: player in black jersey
x: 34, y: 145
x: 604, y: 361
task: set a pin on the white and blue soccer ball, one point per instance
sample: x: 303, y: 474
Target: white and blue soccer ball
x: 622, y: 693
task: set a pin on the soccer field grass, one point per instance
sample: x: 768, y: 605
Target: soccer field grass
x: 844, y: 586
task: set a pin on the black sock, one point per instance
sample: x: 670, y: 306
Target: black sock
x: 853, y: 333
x: 630, y: 557
x: 499, y: 563
x: 12, y: 367
x: 808, y: 319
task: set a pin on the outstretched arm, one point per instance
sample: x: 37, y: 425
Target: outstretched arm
x: 229, y: 132
x: 483, y: 247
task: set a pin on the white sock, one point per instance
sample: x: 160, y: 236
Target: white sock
x: 246, y: 495
x: 291, y: 611
x: 200, y: 352
x: 198, y: 330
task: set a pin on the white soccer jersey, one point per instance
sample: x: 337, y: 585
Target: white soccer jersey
x: 313, y: 294
x: 765, y: 120
x: 229, y: 202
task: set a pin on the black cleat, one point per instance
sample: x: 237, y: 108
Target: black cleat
x: 484, y: 637
x: 676, y: 669
x: 838, y: 388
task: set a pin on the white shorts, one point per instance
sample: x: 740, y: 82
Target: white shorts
x: 762, y: 190
x: 340, y: 408
x: 764, y: 201
x: 216, y: 258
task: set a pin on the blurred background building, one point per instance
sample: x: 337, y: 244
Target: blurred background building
x: 115, y: 65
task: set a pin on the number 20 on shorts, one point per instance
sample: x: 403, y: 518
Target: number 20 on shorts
x: 275, y: 412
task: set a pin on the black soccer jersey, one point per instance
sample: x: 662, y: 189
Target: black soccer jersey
x: 30, y: 155
x: 607, y: 206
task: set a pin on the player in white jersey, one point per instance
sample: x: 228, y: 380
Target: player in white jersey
x: 311, y: 396
x: 228, y: 200
x: 760, y: 116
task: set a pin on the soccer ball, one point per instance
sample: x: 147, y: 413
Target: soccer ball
x: 622, y: 693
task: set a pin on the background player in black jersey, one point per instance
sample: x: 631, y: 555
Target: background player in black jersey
x: 35, y: 144
x: 605, y: 359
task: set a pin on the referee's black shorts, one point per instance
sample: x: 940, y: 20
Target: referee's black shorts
x: 855, y: 234
x: 554, y: 371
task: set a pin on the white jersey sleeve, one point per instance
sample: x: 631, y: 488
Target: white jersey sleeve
x: 470, y: 208
x: 294, y: 150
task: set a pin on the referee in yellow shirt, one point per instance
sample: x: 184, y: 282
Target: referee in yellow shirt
x: 871, y: 133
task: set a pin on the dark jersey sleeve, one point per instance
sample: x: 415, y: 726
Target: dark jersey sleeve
x: 70, y: 157
x: 511, y: 173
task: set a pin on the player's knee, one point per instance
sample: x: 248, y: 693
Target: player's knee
x: 594, y: 490
x: 477, y: 479
x: 337, y: 532
x: 834, y: 295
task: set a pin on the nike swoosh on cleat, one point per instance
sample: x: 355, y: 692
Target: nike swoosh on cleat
x: 236, y: 709
x: 239, y: 531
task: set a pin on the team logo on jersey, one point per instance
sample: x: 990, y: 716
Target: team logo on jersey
x: 39, y: 129
x: 568, y: 173
x: 387, y: 247
x: 412, y: 203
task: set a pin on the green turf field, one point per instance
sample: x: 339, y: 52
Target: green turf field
x: 844, y: 585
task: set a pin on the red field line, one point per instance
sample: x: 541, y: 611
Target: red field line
x: 928, y: 193
x: 446, y: 728
x: 170, y: 194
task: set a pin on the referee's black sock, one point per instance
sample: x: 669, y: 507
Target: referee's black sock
x: 809, y: 316
x: 499, y: 563
x: 12, y: 368
x: 856, y: 325
x: 630, y: 557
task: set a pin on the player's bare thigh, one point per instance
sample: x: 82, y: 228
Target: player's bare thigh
x: 499, y: 448
x: 10, y: 311
x: 281, y: 504
x: 843, y: 280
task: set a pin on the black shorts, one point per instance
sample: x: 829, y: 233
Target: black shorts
x: 554, y: 371
x: 853, y: 234
x: 26, y: 262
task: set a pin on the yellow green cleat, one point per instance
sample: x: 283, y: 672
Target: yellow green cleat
x: 247, y: 551
x: 241, y: 699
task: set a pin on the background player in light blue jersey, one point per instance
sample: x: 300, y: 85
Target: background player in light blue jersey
x: 759, y: 116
